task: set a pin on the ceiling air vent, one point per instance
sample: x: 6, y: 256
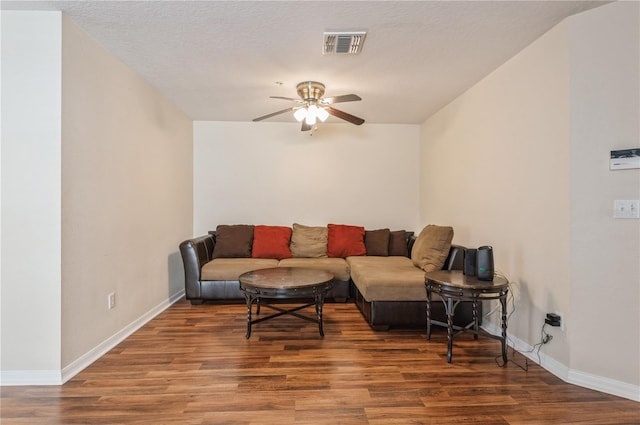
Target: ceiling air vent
x: 343, y: 43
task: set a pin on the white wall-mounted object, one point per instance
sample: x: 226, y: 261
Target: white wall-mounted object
x: 626, y: 208
x: 625, y: 159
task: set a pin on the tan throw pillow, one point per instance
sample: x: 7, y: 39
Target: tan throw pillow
x: 309, y: 242
x: 431, y: 248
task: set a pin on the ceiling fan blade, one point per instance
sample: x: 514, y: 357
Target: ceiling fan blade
x: 345, y: 116
x: 286, y: 98
x: 273, y: 114
x: 343, y: 98
x: 305, y: 126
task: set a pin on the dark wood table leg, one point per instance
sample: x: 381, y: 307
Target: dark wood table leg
x: 319, y: 304
x: 249, y: 299
x: 428, y: 312
x: 503, y: 304
x: 475, y: 318
x: 449, y: 308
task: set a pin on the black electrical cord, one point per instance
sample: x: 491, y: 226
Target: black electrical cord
x: 545, y: 338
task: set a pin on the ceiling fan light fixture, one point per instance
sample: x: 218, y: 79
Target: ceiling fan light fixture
x: 310, y: 119
x: 312, y: 114
x: 300, y: 114
x: 322, y: 114
x: 312, y: 106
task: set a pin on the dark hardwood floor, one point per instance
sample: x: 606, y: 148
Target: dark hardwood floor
x: 193, y: 365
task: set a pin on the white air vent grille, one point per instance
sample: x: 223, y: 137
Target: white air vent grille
x: 343, y: 43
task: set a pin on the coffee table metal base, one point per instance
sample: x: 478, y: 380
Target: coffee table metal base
x: 285, y: 283
x: 319, y: 302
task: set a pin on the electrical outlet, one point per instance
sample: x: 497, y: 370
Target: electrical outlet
x: 111, y: 300
x: 561, y: 321
x: 555, y: 319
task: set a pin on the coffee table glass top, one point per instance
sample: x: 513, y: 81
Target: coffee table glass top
x: 284, y: 277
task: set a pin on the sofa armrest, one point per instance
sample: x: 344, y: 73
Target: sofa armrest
x: 195, y: 253
x: 455, y: 259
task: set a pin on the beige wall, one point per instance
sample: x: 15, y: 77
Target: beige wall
x: 272, y: 173
x: 96, y: 196
x: 605, y: 252
x: 126, y: 194
x: 31, y: 144
x: 523, y: 156
x: 495, y: 167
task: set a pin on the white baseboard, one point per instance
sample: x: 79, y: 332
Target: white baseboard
x: 605, y: 385
x: 30, y: 377
x: 575, y: 377
x: 59, y: 377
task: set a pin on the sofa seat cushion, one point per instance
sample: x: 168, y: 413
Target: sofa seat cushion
x: 232, y: 268
x: 392, y: 278
x: 336, y: 266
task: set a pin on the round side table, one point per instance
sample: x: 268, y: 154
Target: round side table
x: 454, y: 287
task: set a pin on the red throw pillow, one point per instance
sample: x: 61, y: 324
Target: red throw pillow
x: 344, y: 241
x: 271, y: 242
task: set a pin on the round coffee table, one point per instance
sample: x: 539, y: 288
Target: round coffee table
x: 285, y: 283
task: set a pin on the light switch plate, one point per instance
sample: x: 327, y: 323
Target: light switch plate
x: 629, y: 208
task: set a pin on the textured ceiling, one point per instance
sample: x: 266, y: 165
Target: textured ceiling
x: 220, y: 60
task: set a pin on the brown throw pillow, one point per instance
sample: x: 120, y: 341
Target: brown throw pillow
x: 309, y: 242
x: 398, y: 243
x: 432, y: 246
x: 377, y: 242
x: 233, y: 241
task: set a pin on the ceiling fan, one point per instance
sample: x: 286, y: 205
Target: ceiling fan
x: 312, y: 106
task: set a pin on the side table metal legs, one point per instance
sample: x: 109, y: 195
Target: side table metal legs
x: 454, y: 288
x: 428, y: 313
x: 450, y: 302
x: 319, y: 304
x: 503, y: 305
x: 449, y: 307
x: 475, y: 319
x: 250, y: 300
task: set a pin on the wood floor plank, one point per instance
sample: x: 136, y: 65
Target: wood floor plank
x: 193, y: 365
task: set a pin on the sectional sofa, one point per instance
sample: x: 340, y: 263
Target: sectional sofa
x: 381, y: 270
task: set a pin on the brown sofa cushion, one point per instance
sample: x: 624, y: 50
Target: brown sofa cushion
x: 336, y: 266
x: 309, y: 242
x: 398, y: 243
x: 432, y: 246
x: 344, y: 241
x: 377, y: 242
x: 233, y: 241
